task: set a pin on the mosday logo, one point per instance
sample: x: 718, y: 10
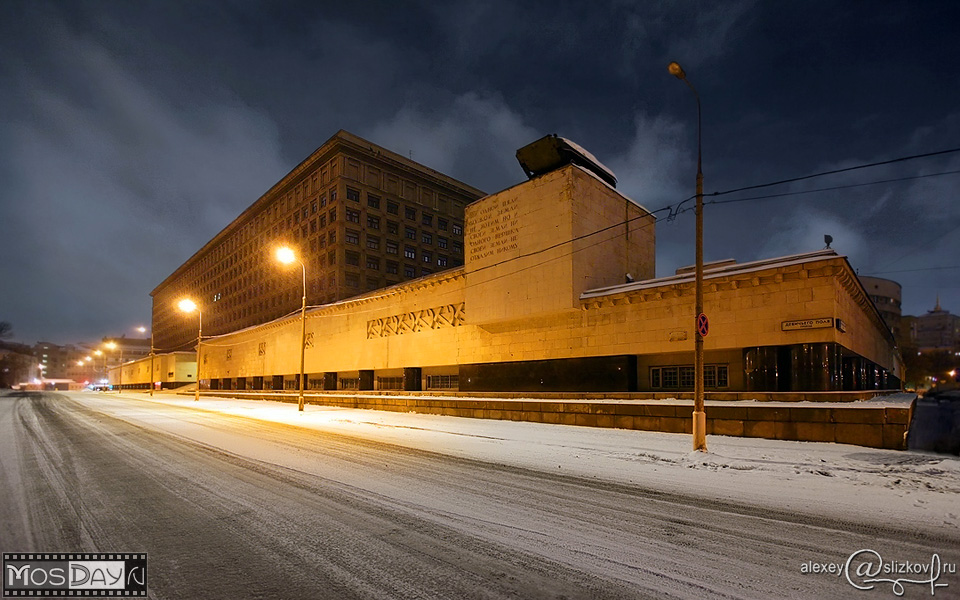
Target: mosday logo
x: 866, y: 570
x: 74, y: 575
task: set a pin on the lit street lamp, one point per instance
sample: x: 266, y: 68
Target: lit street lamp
x: 700, y: 320
x: 188, y: 306
x: 286, y: 255
x: 113, y: 346
x: 101, y: 353
x: 144, y: 330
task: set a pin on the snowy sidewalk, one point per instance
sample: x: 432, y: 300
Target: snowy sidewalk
x: 912, y: 489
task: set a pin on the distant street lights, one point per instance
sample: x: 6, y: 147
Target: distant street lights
x: 188, y: 306
x: 286, y: 255
x: 699, y: 415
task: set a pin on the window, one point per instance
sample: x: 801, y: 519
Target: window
x: 427, y: 257
x: 410, y: 233
x: 426, y: 238
x: 296, y: 218
x: 323, y: 221
x: 457, y: 229
x: 373, y: 242
x: 410, y: 213
x: 313, y: 226
x: 389, y: 383
x: 372, y: 283
x: 715, y: 376
x: 441, y: 260
x: 670, y: 379
x: 333, y: 214
x: 409, y: 252
x: 373, y: 222
x: 458, y: 247
x: 353, y: 194
x: 373, y: 201
x: 352, y: 280
x: 443, y: 382
x: 349, y: 383
x: 373, y: 263
x: 323, y: 201
x: 441, y: 242
x: 313, y: 207
x: 682, y: 377
x: 409, y: 271
x: 353, y: 215
x: 352, y: 258
x: 333, y: 237
x: 333, y: 196
x: 427, y: 219
x: 393, y: 227
x: 442, y: 224
x: 392, y: 267
x: 393, y: 208
x: 353, y: 237
x: 425, y: 271
x: 392, y: 247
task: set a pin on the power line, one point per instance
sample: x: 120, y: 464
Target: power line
x: 677, y: 211
x: 913, y: 270
x: 832, y: 188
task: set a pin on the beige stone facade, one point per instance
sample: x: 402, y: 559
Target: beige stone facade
x: 542, y: 304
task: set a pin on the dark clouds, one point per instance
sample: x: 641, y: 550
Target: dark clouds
x: 132, y: 132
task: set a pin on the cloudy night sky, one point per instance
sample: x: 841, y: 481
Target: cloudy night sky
x: 132, y: 132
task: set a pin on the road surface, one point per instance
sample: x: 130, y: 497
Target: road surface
x: 231, y: 507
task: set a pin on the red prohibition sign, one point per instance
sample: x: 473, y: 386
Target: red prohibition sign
x: 703, y: 325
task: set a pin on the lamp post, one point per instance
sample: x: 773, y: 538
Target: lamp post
x: 114, y: 346
x: 101, y: 353
x: 286, y: 255
x: 699, y: 415
x: 188, y: 306
x: 150, y: 383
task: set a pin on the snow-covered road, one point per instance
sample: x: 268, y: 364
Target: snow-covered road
x: 246, y: 499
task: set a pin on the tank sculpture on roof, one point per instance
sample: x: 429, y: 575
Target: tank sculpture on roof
x: 552, y: 152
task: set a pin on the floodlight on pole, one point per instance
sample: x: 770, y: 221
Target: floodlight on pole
x: 286, y: 255
x: 188, y: 306
x: 699, y: 415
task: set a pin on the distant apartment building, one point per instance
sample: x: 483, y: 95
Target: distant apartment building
x: 936, y: 331
x: 360, y: 218
x: 886, y: 296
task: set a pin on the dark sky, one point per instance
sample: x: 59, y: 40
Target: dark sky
x: 132, y: 132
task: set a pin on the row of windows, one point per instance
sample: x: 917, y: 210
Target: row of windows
x: 409, y: 212
x: 683, y: 377
x: 352, y: 236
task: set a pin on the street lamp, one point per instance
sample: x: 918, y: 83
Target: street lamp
x: 188, y: 306
x: 144, y: 330
x: 113, y: 346
x: 700, y: 320
x: 286, y: 255
x: 100, y: 353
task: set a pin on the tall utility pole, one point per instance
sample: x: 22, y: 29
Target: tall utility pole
x: 700, y: 319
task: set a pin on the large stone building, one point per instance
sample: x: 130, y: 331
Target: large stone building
x: 361, y: 218
x: 886, y: 295
x: 543, y: 303
x: 936, y: 331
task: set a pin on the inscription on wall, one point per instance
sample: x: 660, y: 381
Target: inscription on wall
x: 494, y: 229
x: 450, y: 315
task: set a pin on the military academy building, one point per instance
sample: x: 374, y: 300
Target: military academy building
x: 537, y: 299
